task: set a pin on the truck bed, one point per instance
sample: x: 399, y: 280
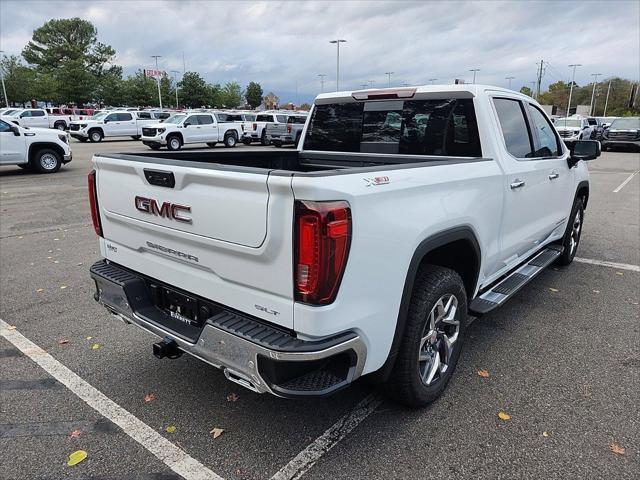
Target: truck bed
x: 314, y: 163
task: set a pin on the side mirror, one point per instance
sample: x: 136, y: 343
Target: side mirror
x: 584, y: 150
x: 105, y: 121
x: 186, y: 124
x: 15, y: 130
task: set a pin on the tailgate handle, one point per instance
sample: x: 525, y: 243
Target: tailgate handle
x: 160, y: 178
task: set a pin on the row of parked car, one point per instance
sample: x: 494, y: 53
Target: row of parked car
x: 612, y: 132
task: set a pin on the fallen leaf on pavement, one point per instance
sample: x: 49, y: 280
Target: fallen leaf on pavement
x: 504, y: 416
x: 170, y: 429
x: 40, y: 290
x: 89, y: 338
x: 545, y: 434
x: 63, y: 341
x: 554, y: 289
x: 62, y: 287
x: 232, y: 397
x: 149, y: 397
x: 483, y: 373
x: 95, y: 346
x: 619, y: 273
x: 75, y: 433
x: 11, y: 327
x: 216, y: 432
x: 596, y: 291
x: 76, y: 457
x: 617, y: 449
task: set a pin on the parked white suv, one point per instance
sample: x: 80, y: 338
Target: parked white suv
x: 41, y: 149
x: 362, y: 252
x: 189, y: 128
x: 116, y: 123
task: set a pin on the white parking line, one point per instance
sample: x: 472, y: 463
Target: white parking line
x: 325, y: 442
x: 169, y: 454
x: 604, y: 263
x: 628, y: 179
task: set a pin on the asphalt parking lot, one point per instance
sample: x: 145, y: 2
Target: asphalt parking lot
x: 563, y: 359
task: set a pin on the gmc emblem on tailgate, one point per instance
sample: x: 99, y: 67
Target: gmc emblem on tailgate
x: 166, y: 210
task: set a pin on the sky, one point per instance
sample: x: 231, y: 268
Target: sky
x: 285, y: 45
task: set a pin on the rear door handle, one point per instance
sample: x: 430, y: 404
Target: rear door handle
x: 516, y: 184
x: 553, y: 175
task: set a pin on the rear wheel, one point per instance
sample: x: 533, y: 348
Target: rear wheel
x: 46, y: 161
x: 95, y: 136
x: 572, y: 234
x: 230, y: 141
x: 211, y: 144
x: 432, y: 339
x: 277, y: 143
x: 263, y: 139
x: 174, y: 142
x: 60, y: 126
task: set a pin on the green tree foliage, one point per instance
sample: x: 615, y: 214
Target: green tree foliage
x: 526, y: 91
x: 231, y: 95
x: 305, y: 106
x: 254, y: 94
x: 194, y: 91
x: 20, y: 80
x: 140, y: 90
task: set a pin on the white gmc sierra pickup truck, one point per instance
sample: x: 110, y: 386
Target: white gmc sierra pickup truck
x: 403, y: 212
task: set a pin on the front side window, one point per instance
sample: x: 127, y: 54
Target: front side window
x: 37, y: 113
x: 514, y: 127
x: 4, y: 126
x: 25, y: 114
x: 192, y: 120
x: 264, y: 118
x: 547, y: 143
x: 205, y: 119
x: 124, y: 117
x: 112, y: 117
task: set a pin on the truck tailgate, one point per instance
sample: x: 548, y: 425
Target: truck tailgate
x: 219, y: 233
x: 276, y: 129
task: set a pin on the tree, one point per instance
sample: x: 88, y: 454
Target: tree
x: 254, y: 94
x: 111, y: 88
x: 526, y: 91
x: 231, y: 95
x: 305, y: 106
x: 194, y: 90
x: 20, y: 80
x: 141, y: 91
x: 60, y: 41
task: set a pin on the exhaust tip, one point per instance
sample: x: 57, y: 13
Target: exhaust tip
x: 167, y: 347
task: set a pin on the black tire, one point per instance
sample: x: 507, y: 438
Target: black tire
x: 264, y: 141
x: 246, y: 141
x: 277, y: 143
x: 46, y: 160
x: 407, y: 383
x: 571, y: 239
x: 230, y: 140
x: 174, y: 142
x: 212, y: 144
x: 60, y: 126
x: 95, y: 136
x: 136, y: 137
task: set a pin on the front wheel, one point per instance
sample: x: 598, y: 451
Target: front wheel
x: 572, y: 234
x: 432, y: 339
x: 174, y: 143
x: 230, y: 141
x: 47, y: 161
x: 95, y: 136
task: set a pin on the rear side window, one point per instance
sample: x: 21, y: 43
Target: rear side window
x: 205, y: 119
x: 37, y: 113
x: 547, y: 142
x: 264, y: 118
x: 444, y: 127
x: 249, y: 117
x: 124, y: 117
x: 514, y: 127
x: 144, y: 115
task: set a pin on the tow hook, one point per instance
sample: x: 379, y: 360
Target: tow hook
x: 167, y: 347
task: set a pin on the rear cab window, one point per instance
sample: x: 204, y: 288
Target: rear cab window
x: 434, y: 127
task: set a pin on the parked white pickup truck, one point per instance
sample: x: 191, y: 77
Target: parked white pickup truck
x: 118, y: 123
x: 363, y: 252
x: 39, y: 118
x: 280, y: 134
x: 41, y: 149
x: 256, y: 130
x: 189, y: 128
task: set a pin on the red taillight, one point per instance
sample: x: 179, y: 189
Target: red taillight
x: 289, y: 127
x: 93, y: 203
x: 322, y: 240
x: 255, y: 126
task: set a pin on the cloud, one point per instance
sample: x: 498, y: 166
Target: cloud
x: 284, y: 44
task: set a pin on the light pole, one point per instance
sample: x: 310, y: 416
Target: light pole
x: 322, y: 75
x: 158, y: 78
x: 337, y: 42
x: 371, y: 83
x: 606, y: 102
x: 432, y: 80
x: 474, y: 70
x: 509, y: 78
x: 573, y: 76
x: 364, y: 85
x: 388, y: 74
x: 533, y: 86
x: 175, y: 80
x: 593, y: 93
x: 4, y: 89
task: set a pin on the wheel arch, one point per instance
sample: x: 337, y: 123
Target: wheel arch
x: 91, y: 129
x: 175, y: 134
x: 456, y: 248
x: 37, y: 146
x: 583, y: 192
